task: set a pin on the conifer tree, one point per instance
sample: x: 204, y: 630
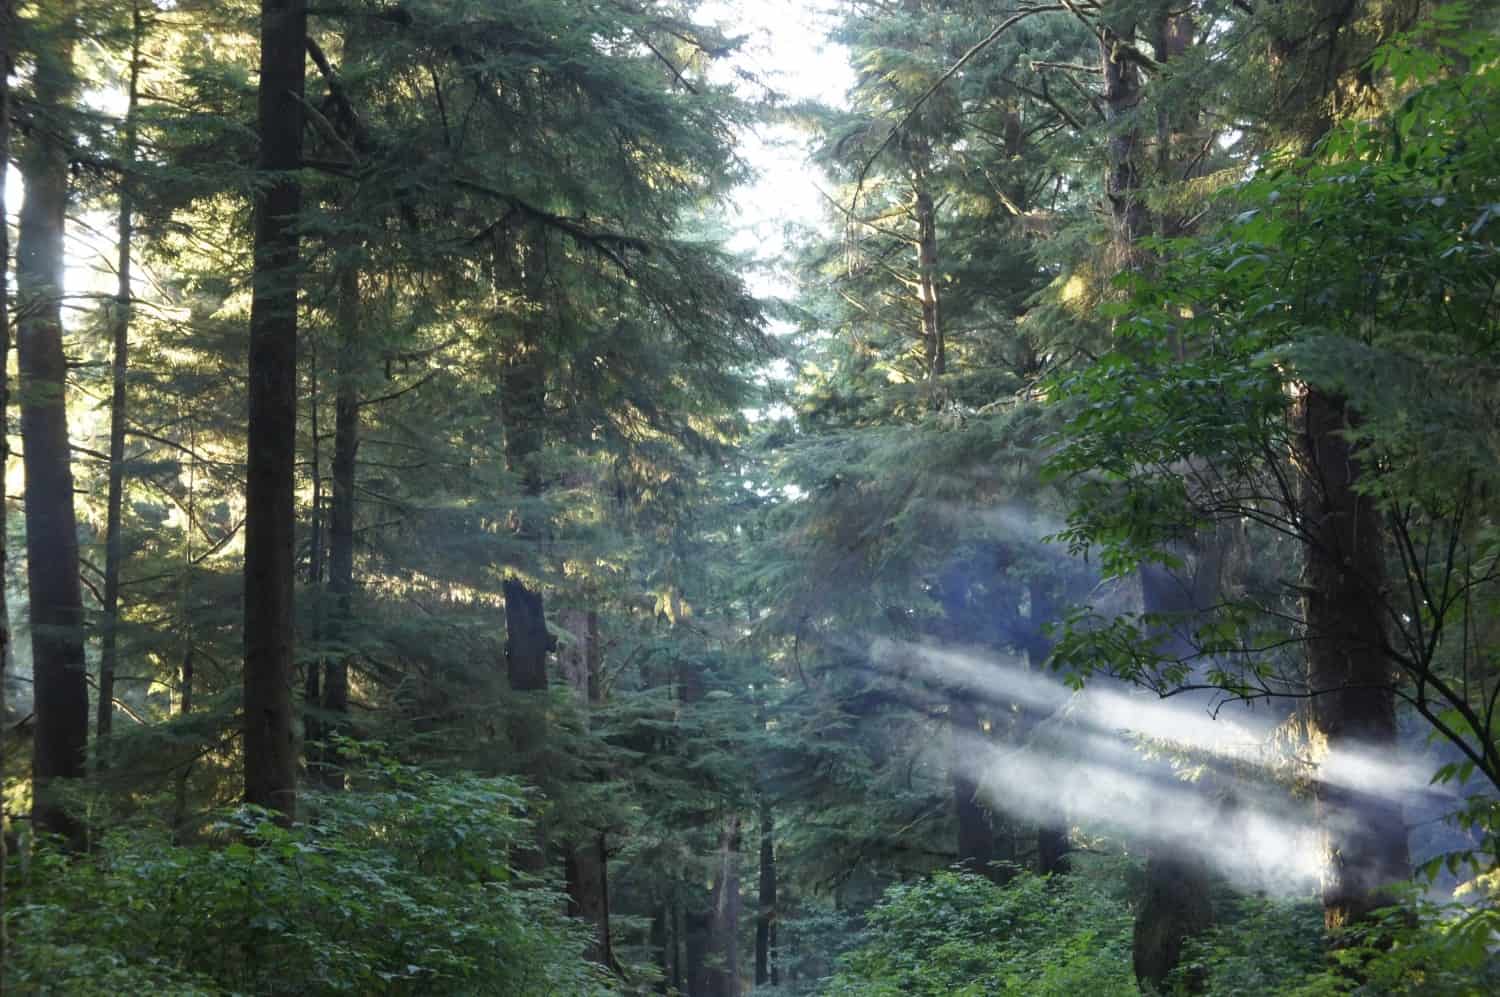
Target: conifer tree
x: 270, y: 740
x: 62, y: 702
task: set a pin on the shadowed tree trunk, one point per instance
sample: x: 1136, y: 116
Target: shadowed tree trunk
x: 976, y: 830
x: 587, y: 865
x: 270, y: 738
x: 765, y: 921
x: 113, y: 541
x: 721, y: 970
x: 7, y: 32
x: 1355, y: 709
x: 335, y: 692
x: 1052, y: 835
x: 61, y: 689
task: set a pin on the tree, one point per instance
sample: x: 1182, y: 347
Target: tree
x: 118, y: 404
x: 62, y: 699
x: 1341, y: 474
x: 270, y: 739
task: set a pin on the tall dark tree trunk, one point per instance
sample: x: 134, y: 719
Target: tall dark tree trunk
x: 697, y: 940
x: 1175, y: 904
x: 113, y: 540
x: 587, y: 865
x: 61, y: 686
x: 721, y: 970
x: 1354, y: 707
x: 661, y: 935
x: 7, y: 32
x: 333, y: 699
x: 312, y: 678
x: 270, y: 527
x: 765, y: 921
x: 976, y: 830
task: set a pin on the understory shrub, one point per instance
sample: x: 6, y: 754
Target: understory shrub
x: 401, y: 886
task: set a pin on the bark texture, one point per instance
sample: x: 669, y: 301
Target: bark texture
x: 61, y: 689
x: 1354, y: 707
x: 270, y: 739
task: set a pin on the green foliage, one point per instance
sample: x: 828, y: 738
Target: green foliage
x: 959, y: 933
x: 401, y: 887
x: 1276, y: 947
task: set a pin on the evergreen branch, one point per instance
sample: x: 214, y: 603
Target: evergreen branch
x: 392, y: 396
x: 963, y: 60
x: 606, y: 243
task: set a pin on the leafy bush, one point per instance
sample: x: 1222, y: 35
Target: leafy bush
x: 402, y: 887
x: 960, y: 934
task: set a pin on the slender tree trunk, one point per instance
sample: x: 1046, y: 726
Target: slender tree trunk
x: 587, y: 865
x: 660, y: 940
x: 7, y: 32
x: 180, y: 782
x: 1354, y: 709
x: 678, y: 928
x: 765, y: 921
x: 61, y: 687
x: 976, y: 829
x: 113, y: 540
x: 697, y: 939
x: 312, y: 671
x: 341, y: 525
x: 270, y: 524
x: 927, y: 268
x: 1051, y: 835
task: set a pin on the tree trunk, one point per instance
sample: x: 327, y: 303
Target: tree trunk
x: 721, y: 970
x: 1051, y: 835
x: 927, y: 268
x: 765, y: 921
x: 696, y: 950
x: 312, y: 679
x: 1353, y: 709
x: 113, y: 541
x: 61, y: 687
x: 1122, y: 182
x: 341, y: 522
x: 976, y: 830
x: 270, y: 741
x: 1175, y: 904
x: 660, y: 940
x: 587, y: 865
x: 7, y: 32
x: 180, y: 788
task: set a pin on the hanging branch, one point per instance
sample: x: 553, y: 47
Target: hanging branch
x: 952, y: 71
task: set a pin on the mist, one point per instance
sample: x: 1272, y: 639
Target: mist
x: 1227, y: 782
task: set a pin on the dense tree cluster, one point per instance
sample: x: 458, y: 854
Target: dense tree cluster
x: 434, y: 569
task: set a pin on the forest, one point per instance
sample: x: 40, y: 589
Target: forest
x: 720, y: 497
